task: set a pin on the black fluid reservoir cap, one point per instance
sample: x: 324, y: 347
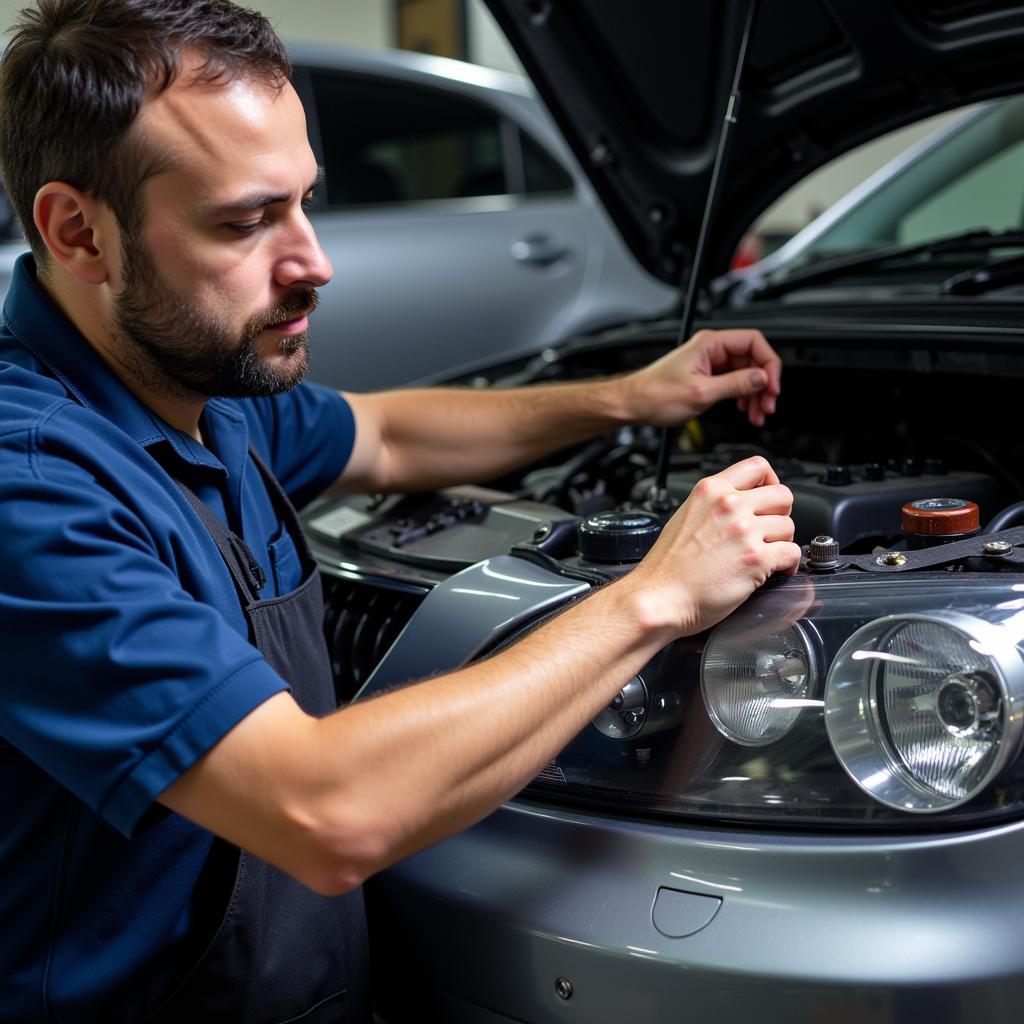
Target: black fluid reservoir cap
x: 874, y: 471
x: 617, y: 537
x: 837, y: 476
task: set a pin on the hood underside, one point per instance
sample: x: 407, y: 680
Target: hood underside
x: 640, y: 90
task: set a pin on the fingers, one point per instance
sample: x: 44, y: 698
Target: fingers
x: 749, y: 345
x: 738, y: 356
x: 785, y: 557
x: 774, y: 528
x: 753, y: 472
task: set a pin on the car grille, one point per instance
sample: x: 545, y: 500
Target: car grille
x: 361, y: 622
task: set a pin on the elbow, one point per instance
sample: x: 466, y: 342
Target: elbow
x: 340, y: 849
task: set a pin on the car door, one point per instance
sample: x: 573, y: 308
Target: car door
x: 443, y: 258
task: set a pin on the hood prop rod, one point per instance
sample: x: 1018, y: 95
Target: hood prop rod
x: 661, y: 502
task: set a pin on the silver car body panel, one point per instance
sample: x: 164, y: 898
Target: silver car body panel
x: 810, y: 928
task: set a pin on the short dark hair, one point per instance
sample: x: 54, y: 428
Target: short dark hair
x: 75, y: 74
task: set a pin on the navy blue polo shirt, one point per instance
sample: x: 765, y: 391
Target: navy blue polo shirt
x: 123, y: 653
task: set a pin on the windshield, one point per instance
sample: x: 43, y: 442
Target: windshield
x: 971, y: 179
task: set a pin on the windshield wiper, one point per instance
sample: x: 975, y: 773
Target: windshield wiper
x: 827, y: 270
x: 986, y: 278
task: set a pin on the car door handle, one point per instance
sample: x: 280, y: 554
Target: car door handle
x: 540, y: 250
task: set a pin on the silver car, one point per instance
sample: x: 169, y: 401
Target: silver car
x: 815, y: 811
x: 461, y: 228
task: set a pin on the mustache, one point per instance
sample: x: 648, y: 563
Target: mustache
x: 293, y: 305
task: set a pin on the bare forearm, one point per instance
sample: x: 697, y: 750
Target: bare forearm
x: 437, y: 437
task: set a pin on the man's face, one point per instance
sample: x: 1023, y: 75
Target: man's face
x: 216, y: 287
x: 175, y: 345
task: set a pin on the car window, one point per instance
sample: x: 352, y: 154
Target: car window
x: 972, y: 177
x: 541, y: 171
x: 387, y: 142
x: 988, y: 195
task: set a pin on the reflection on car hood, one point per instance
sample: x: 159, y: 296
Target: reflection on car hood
x: 639, y: 90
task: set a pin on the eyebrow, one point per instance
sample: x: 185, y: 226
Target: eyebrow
x: 259, y: 200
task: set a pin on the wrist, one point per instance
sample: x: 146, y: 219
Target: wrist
x: 618, y: 399
x: 656, y: 614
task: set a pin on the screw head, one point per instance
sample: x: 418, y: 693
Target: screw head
x: 891, y: 558
x: 563, y: 988
x: 997, y: 547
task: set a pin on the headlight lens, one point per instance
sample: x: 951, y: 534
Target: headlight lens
x: 923, y: 710
x: 756, y: 682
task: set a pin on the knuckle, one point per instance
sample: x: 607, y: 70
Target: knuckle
x: 726, y: 502
x: 705, y: 487
x: 699, y: 390
x: 752, y: 556
x: 738, y: 529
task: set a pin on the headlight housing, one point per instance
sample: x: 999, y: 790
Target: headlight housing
x: 782, y: 713
x: 923, y: 711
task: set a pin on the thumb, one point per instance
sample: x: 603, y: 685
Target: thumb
x: 737, y: 384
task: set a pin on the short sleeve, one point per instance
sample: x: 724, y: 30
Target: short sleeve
x: 115, y: 678
x: 307, y: 434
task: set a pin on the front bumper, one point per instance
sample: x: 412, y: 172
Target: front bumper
x: 488, y: 926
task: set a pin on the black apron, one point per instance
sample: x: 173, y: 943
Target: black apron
x: 282, y: 953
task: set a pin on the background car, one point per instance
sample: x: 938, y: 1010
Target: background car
x: 965, y: 179
x: 459, y: 225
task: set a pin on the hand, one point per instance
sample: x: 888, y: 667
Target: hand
x: 731, y: 534
x: 711, y: 366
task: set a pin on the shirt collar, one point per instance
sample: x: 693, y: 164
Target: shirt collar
x: 35, y: 321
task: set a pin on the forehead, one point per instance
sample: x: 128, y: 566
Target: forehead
x: 222, y: 140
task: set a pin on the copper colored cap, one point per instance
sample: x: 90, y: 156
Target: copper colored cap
x: 940, y: 517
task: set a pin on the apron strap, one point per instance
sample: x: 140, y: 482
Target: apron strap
x: 244, y: 567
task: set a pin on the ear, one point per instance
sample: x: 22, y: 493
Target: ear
x: 80, y: 232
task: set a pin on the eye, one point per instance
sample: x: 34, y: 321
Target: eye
x: 248, y: 227
x: 308, y: 201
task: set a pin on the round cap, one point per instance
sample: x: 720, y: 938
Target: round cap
x: 619, y: 536
x: 940, y: 517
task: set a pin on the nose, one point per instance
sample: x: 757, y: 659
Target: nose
x: 303, y: 260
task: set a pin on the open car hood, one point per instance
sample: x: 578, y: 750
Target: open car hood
x: 640, y: 89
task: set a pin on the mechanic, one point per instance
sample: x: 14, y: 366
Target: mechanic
x: 166, y: 695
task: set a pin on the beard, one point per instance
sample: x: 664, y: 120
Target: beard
x: 176, y: 347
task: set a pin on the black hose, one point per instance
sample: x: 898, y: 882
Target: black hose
x: 1012, y: 515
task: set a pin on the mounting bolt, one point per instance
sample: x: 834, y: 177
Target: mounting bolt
x: 891, y: 558
x: 563, y: 988
x: 822, y: 553
x: 541, y: 532
x: 997, y: 548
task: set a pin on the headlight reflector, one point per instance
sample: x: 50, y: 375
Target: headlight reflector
x: 924, y: 710
x: 756, y: 681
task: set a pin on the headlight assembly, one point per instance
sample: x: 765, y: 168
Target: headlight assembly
x: 923, y: 711
x: 854, y: 701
